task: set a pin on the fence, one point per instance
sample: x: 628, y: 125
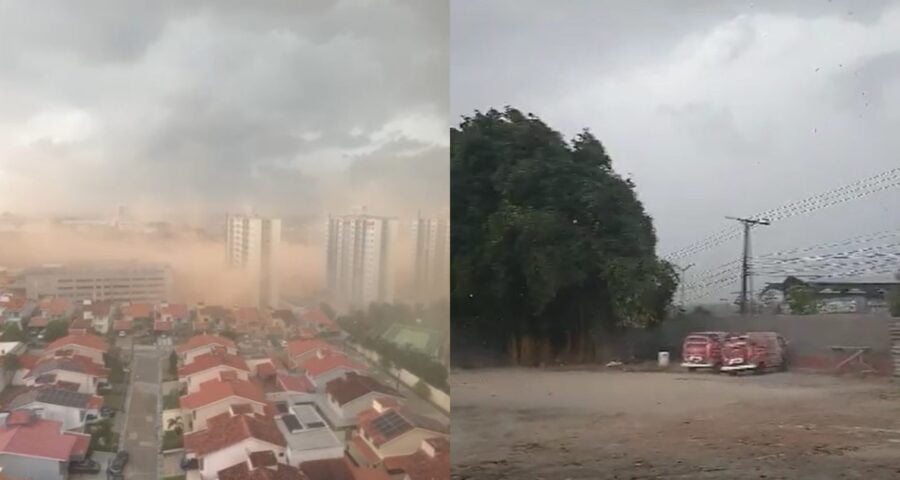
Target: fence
x: 436, y: 396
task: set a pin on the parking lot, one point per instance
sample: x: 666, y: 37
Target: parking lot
x: 541, y: 424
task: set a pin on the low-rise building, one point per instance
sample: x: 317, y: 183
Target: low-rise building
x: 172, y: 312
x: 203, y: 344
x: 31, y: 447
x: 348, y: 396
x: 99, y: 314
x: 430, y: 462
x: 211, y: 366
x: 71, y: 409
x: 328, y: 366
x: 261, y: 466
x: 390, y: 430
x: 88, y: 346
x: 232, y: 438
x: 308, y: 436
x: 299, y: 351
x: 216, y: 397
x: 74, y: 372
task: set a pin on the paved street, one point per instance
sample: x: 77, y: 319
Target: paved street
x: 142, y: 417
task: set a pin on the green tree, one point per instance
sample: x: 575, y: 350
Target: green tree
x: 802, y: 300
x: 422, y: 390
x: 327, y: 310
x: 173, y: 364
x: 56, y: 329
x: 550, y: 245
x: 12, y: 333
x: 11, y: 362
x: 894, y: 305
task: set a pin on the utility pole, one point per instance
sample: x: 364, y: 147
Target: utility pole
x: 681, y: 280
x: 745, y: 261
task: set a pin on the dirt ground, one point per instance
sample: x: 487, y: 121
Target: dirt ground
x: 558, y: 425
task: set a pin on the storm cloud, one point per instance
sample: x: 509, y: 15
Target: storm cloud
x: 289, y: 108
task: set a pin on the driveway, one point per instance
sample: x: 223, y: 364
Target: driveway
x: 141, y: 425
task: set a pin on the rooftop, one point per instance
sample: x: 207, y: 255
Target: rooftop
x: 317, y: 366
x: 353, y: 386
x: 82, y: 340
x: 42, y: 438
x: 247, y: 471
x: 225, y: 431
x: 300, y: 347
x: 304, y: 429
x: 211, y: 360
x: 215, y: 390
x: 391, y: 423
x: 75, y: 363
x: 57, y: 396
x: 205, y: 340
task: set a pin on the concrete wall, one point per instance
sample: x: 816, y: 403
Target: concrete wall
x: 810, y: 336
x: 437, y: 397
x: 18, y: 466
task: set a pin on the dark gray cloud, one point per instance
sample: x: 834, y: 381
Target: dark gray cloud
x: 220, y: 105
x: 713, y: 108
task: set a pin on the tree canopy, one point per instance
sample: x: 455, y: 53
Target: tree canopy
x: 56, y: 329
x: 550, y: 244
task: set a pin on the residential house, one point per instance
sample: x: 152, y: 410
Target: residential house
x: 203, y: 344
x: 163, y: 326
x: 299, y: 351
x: 308, y: 436
x: 328, y: 366
x: 348, y: 396
x: 210, y: 366
x: 344, y: 469
x: 292, y: 390
x: 430, y: 462
x: 212, y: 317
x: 16, y: 309
x: 10, y: 348
x: 71, y: 409
x: 123, y: 325
x: 75, y: 372
x: 55, y: 308
x: 261, y: 465
x: 317, y: 319
x: 390, y: 430
x: 80, y: 326
x: 232, y: 438
x: 89, y: 346
x: 172, y: 312
x: 31, y: 447
x: 219, y: 396
x: 98, y: 313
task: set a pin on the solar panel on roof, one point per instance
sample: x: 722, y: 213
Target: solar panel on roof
x: 315, y: 425
x: 292, y: 424
x: 391, y: 424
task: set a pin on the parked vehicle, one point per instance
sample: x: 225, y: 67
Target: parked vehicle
x: 85, y: 466
x: 754, y: 351
x: 117, y: 464
x: 702, y: 350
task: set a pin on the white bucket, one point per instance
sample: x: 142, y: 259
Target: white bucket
x: 663, y: 359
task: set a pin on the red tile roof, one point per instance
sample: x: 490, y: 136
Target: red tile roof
x: 176, y: 310
x: 211, y: 360
x: 431, y: 462
x: 247, y: 315
x: 317, y: 366
x: 340, y: 469
x: 265, y: 369
x: 99, y: 309
x: 15, y: 304
x: 80, y: 325
x: 205, y: 340
x: 122, y: 325
x: 137, y: 310
x: 216, y: 390
x: 83, y: 340
x: 318, y: 317
x: 294, y: 383
x: 40, y: 438
x: 28, y: 360
x: 278, y: 471
x: 352, y: 386
x: 231, y: 430
x: 74, y: 363
x: 300, y: 347
x: 38, y: 322
x: 160, y: 325
x: 54, y: 307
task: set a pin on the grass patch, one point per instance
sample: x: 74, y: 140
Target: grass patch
x: 114, y: 400
x: 175, y: 477
x: 103, y: 438
x: 170, y: 400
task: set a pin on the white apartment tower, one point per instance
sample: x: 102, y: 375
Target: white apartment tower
x: 358, y: 259
x: 252, y: 244
x: 431, y: 268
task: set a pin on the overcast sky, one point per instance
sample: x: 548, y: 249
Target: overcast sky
x: 288, y: 107
x: 713, y: 108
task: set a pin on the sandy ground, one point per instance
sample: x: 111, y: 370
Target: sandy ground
x: 539, y: 424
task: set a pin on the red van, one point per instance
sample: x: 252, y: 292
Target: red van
x: 702, y: 350
x: 754, y: 351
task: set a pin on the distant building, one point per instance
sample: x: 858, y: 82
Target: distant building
x: 359, y: 259
x: 834, y: 295
x: 252, y: 244
x: 116, y: 281
x: 431, y: 243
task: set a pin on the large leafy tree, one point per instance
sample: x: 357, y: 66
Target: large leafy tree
x: 550, y: 245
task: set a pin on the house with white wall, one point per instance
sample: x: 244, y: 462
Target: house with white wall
x: 261, y: 465
x: 76, y: 373
x: 71, y: 409
x: 203, y: 344
x: 390, y: 430
x: 230, y: 439
x: 346, y: 397
x: 308, y: 436
x: 327, y: 366
x: 299, y: 351
x: 215, y: 397
x: 88, y: 346
x: 32, y: 447
x: 211, y: 366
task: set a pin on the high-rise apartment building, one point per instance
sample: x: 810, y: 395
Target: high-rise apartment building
x: 359, y: 259
x: 431, y: 267
x: 252, y: 244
